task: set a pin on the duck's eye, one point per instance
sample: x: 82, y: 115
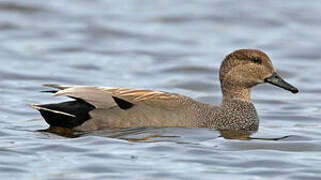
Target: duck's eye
x: 256, y: 60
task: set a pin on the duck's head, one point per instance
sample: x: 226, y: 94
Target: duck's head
x: 245, y: 68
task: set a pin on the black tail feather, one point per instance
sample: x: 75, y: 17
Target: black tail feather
x: 66, y: 114
x: 49, y: 91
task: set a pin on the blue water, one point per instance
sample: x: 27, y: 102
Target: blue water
x: 175, y: 46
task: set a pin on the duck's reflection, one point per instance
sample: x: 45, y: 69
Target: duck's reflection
x: 151, y: 134
x: 245, y: 135
x: 236, y: 134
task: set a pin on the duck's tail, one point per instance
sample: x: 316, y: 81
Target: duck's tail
x: 66, y: 114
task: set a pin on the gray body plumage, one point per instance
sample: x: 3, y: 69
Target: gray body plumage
x: 236, y: 115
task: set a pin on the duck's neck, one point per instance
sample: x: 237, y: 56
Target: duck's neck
x: 231, y: 93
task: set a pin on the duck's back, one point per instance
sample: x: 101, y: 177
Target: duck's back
x: 122, y: 108
x: 148, y: 108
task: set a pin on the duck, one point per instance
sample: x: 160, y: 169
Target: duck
x: 100, y: 108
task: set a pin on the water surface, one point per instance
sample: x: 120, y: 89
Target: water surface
x: 174, y: 46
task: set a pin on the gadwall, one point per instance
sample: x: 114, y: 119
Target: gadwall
x: 96, y: 108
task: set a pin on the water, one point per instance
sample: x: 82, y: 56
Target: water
x: 174, y: 46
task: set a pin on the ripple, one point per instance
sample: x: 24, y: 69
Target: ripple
x: 159, y: 44
x: 20, y: 7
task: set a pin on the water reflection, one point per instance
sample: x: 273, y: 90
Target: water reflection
x: 103, y: 43
x: 239, y: 134
x: 152, y: 134
x: 245, y: 135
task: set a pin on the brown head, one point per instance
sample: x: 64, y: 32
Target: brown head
x: 245, y: 68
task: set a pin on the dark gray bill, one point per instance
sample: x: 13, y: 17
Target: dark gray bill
x: 276, y: 80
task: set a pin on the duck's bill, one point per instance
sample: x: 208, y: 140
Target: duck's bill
x: 276, y: 80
